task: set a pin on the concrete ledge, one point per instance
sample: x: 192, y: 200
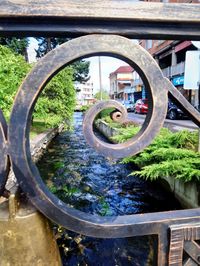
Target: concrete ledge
x: 106, y: 130
x: 41, y: 142
x: 187, y: 193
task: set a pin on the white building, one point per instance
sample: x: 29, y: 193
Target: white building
x: 84, y: 93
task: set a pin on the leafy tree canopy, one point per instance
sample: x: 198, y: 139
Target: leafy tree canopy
x: 13, y: 69
x: 81, y: 67
x: 45, y: 45
x: 56, y: 101
x: 17, y: 45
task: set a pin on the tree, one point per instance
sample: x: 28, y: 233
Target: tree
x: 105, y: 95
x: 81, y: 67
x: 13, y: 69
x: 57, y: 101
x: 45, y: 45
x: 17, y: 45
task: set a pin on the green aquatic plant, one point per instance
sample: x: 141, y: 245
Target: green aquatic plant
x: 104, y: 207
x: 64, y: 191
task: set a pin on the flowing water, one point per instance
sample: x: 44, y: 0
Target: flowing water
x: 81, y: 177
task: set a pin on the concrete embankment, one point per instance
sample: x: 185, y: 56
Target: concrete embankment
x: 187, y: 193
x: 38, y: 146
x: 106, y: 131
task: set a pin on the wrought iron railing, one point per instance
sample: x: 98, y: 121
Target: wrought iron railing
x: 104, y: 21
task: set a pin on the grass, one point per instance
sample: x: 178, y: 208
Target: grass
x: 38, y: 127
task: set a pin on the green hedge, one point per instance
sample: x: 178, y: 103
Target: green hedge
x: 170, y: 154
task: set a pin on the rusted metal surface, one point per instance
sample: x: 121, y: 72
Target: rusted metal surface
x: 19, y: 149
x: 4, y: 160
x: 184, y: 237
x: 75, y: 18
x: 14, y: 138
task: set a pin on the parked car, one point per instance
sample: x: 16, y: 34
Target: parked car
x: 141, y: 106
x: 174, y: 112
x: 129, y: 105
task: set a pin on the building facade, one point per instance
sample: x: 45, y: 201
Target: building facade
x: 84, y: 93
x: 121, y: 83
x: 170, y: 56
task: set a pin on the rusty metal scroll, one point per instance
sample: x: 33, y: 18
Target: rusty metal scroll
x: 16, y: 145
x: 4, y: 160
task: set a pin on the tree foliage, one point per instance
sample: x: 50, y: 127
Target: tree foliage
x: 81, y: 71
x: 13, y: 69
x: 45, y: 45
x: 17, y: 45
x: 56, y: 101
x: 81, y: 67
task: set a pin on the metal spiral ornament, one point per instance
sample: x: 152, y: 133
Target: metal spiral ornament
x: 4, y: 160
x: 16, y: 145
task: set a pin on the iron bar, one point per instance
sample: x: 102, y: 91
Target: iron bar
x: 73, y: 19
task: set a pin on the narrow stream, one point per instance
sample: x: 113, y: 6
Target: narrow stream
x: 81, y: 177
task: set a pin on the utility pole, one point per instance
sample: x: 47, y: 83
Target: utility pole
x: 100, y: 80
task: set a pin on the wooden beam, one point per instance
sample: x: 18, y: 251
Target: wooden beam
x: 76, y: 17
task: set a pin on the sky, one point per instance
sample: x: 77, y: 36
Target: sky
x: 31, y: 49
x: 108, y: 65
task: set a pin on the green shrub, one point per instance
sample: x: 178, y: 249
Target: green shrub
x: 126, y: 133
x: 85, y: 108
x: 55, y: 103
x: 170, y: 154
x: 106, y: 113
x: 186, y: 169
x: 13, y: 69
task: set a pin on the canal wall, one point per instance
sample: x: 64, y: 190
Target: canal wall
x: 107, y: 131
x: 188, y: 193
x: 38, y: 146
